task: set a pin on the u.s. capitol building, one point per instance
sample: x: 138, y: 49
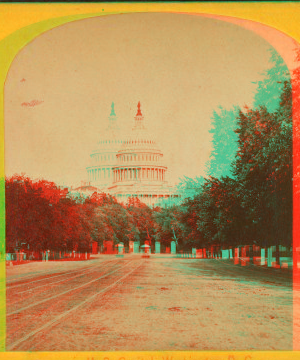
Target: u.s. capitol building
x: 129, y: 165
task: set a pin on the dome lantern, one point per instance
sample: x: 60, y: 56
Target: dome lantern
x: 139, y: 123
x: 139, y: 113
x: 112, y: 113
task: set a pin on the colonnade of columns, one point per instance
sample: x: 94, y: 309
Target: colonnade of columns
x: 99, y: 157
x: 124, y: 174
x: 149, y: 199
x: 138, y: 157
x: 99, y: 174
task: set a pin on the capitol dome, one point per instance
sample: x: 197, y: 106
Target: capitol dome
x: 103, y: 157
x: 140, y: 139
x: 139, y: 158
x: 129, y: 165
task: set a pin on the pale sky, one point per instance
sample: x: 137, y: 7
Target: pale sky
x: 180, y: 67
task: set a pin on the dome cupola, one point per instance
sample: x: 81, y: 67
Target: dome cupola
x: 139, y: 158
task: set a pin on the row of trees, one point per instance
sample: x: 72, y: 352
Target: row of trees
x: 40, y: 216
x: 247, y: 197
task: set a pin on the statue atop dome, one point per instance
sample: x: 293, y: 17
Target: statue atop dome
x: 112, y: 113
x: 139, y: 113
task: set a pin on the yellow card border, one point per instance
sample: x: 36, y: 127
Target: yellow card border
x: 20, y: 24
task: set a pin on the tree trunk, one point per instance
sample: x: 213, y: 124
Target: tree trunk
x: 277, y: 255
x: 251, y: 254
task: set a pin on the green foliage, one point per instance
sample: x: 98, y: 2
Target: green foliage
x: 248, y: 196
x: 269, y: 89
x: 168, y: 225
x: 263, y: 169
x: 188, y: 187
x: 224, y: 142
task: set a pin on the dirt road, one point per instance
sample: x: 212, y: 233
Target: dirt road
x: 161, y: 303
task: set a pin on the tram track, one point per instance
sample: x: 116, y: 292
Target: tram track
x: 35, y: 274
x: 63, y: 293
x: 49, y: 321
x: 49, y: 277
x: 38, y: 289
x: 81, y: 272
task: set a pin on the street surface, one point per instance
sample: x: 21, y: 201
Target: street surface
x: 162, y: 303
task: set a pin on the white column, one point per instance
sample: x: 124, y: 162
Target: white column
x: 262, y: 256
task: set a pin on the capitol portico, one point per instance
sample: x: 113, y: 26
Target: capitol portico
x: 130, y: 166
